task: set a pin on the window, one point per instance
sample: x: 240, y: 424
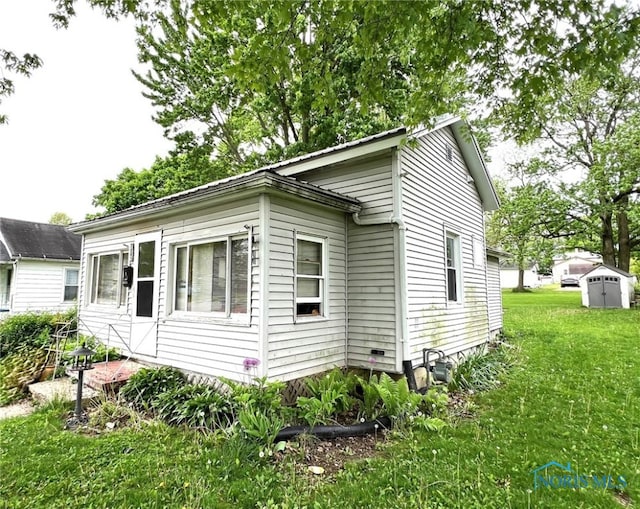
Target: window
x: 310, y: 278
x: 106, y: 282
x: 212, y: 277
x: 70, y: 285
x: 453, y: 268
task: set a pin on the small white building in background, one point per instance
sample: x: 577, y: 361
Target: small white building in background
x: 576, y: 262
x: 39, y: 267
x: 509, y: 274
x: 607, y: 287
x: 360, y: 254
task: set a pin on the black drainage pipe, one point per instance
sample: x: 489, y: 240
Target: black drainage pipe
x: 336, y: 430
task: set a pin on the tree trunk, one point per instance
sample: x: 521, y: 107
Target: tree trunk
x: 520, y: 287
x: 608, y: 245
x: 624, y: 244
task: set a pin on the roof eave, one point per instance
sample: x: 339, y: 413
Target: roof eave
x: 341, y: 153
x: 251, y: 185
x: 476, y: 164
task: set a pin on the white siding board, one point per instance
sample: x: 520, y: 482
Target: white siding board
x: 38, y: 285
x: 297, y: 348
x: 206, y: 346
x: 436, y: 189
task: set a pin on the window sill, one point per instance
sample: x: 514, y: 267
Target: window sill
x: 233, y: 321
x: 310, y: 319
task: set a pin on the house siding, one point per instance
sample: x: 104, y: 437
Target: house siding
x: 208, y: 346
x: 301, y: 347
x: 39, y: 286
x: 372, y: 296
x: 368, y: 181
x: 371, y: 280
x: 494, y: 294
x: 437, y: 198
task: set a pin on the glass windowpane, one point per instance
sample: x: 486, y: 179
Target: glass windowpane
x: 146, y: 259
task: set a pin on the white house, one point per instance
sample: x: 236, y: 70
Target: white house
x: 575, y: 262
x: 607, y: 287
x: 363, y: 253
x: 39, y: 266
x: 509, y: 274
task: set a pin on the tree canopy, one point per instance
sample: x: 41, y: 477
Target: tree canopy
x: 166, y: 176
x: 290, y: 77
x: 592, y: 163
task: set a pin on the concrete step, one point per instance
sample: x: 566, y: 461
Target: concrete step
x: 65, y: 389
x: 105, y: 377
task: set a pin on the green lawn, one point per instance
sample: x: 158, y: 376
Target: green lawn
x: 573, y: 397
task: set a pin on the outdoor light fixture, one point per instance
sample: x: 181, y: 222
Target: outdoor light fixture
x: 441, y: 370
x: 82, y: 361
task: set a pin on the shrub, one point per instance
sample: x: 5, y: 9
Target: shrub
x: 101, y: 351
x: 144, y: 387
x: 262, y: 395
x: 482, y: 371
x: 258, y: 409
x: 194, y: 405
x: 31, y: 330
x: 17, y: 370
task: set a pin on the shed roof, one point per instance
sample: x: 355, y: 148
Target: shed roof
x: 26, y: 239
x: 609, y: 267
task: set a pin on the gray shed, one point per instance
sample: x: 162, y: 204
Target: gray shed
x: 607, y: 287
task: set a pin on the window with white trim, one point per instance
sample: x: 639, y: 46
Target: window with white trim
x: 453, y: 267
x: 212, y: 277
x: 310, y: 276
x: 106, y: 279
x: 70, y: 285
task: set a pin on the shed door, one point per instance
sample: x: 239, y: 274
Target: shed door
x: 604, y: 292
x: 596, y: 292
x: 144, y: 320
x: 611, y: 290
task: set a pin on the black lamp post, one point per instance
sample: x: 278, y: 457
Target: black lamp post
x: 82, y: 361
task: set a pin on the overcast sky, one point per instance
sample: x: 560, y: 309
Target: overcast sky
x: 80, y: 119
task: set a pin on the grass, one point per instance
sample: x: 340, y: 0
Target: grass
x: 573, y: 397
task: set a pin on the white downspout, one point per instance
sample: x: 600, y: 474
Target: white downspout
x: 400, y: 255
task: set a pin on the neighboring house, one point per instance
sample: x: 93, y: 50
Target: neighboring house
x: 509, y: 274
x: 607, y: 287
x: 39, y: 266
x: 573, y: 263
x: 359, y: 255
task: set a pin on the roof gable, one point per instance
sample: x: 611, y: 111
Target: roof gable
x: 472, y: 157
x: 396, y: 138
x: 26, y: 239
x: 610, y: 268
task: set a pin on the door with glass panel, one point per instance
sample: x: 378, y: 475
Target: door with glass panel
x: 146, y: 269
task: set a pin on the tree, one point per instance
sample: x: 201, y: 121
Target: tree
x: 290, y: 77
x: 515, y: 226
x: 60, y: 218
x: 166, y: 176
x: 444, y: 50
x: 592, y: 135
